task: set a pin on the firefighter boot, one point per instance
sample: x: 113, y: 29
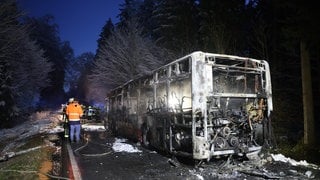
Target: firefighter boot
x: 66, y: 130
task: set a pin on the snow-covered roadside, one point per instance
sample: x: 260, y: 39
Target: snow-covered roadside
x: 47, y: 122
x: 40, y: 122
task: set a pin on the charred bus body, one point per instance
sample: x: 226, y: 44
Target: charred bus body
x: 202, y: 105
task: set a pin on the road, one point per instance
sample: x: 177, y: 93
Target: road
x: 97, y: 158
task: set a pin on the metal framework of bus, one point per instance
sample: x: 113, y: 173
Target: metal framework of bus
x: 202, y: 105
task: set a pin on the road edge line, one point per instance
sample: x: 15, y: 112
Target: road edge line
x: 74, y: 165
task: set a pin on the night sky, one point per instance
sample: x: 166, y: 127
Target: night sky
x: 79, y: 21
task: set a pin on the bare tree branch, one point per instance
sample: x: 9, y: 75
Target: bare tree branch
x: 126, y: 55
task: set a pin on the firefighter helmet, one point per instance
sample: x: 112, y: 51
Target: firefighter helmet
x: 71, y: 100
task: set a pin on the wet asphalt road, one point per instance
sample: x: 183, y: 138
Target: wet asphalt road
x: 97, y: 160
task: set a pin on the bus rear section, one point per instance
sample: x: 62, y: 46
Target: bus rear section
x: 231, y: 105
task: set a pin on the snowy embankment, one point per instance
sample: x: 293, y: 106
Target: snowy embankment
x: 14, y: 138
x: 47, y: 122
x: 40, y: 122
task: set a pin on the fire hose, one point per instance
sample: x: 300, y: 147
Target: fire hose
x: 90, y: 155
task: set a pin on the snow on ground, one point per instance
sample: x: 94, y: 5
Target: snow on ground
x: 41, y: 122
x: 55, y: 130
x: 92, y: 127
x: 282, y: 158
x: 120, y: 146
x: 198, y: 176
x: 84, y: 127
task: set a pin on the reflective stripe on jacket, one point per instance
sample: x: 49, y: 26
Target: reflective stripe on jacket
x: 74, y: 111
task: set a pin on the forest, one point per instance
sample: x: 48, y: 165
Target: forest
x: 40, y: 71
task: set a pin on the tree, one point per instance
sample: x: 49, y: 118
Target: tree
x: 176, y: 25
x: 24, y: 70
x: 126, y: 55
x: 300, y: 28
x: 76, y: 73
x: 128, y: 10
x: 308, y: 33
x: 45, y: 32
x: 222, y: 26
x: 307, y: 95
x: 145, y: 16
x: 290, y: 27
x: 106, y: 32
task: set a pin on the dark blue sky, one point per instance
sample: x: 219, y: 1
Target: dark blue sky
x: 79, y: 21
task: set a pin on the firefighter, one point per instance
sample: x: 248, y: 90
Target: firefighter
x: 74, y: 112
x: 65, y: 118
x: 90, y: 113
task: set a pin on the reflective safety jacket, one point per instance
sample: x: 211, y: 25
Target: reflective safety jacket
x: 74, y: 111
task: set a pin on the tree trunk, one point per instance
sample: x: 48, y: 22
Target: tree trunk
x: 309, y: 136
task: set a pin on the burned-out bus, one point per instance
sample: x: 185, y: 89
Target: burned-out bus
x: 202, y: 105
